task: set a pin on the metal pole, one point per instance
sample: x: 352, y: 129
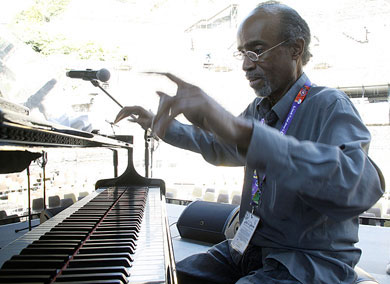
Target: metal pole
x: 44, y: 162
x: 29, y: 198
x: 115, y: 161
x: 146, y: 154
x: 388, y: 98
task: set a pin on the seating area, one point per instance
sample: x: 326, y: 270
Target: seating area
x: 8, y: 219
x: 381, y: 209
x: 56, y: 202
x: 211, y: 194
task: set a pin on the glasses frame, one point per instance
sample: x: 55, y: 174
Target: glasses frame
x: 240, y: 55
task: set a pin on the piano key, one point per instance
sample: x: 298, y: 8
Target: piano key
x: 109, y: 242
x: 62, y: 237
x: 34, y: 278
x: 78, y: 278
x: 121, y: 242
x: 102, y: 262
x: 106, y: 249
x: 46, y: 250
x: 48, y: 263
x: 93, y: 256
x: 113, y: 236
x: 113, y: 281
x: 43, y: 257
x: 24, y: 271
x: 107, y: 269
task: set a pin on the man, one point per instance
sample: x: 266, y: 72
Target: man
x: 304, y: 148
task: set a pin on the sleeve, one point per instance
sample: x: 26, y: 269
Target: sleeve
x: 213, y: 150
x: 333, y: 174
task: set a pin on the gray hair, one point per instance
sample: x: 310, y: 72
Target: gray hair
x: 293, y: 26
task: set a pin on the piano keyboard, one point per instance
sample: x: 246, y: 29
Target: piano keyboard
x: 117, y: 235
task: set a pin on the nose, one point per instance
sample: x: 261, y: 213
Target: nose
x: 248, y: 64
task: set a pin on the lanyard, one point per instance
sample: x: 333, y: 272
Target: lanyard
x: 256, y: 187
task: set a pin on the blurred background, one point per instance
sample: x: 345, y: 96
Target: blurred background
x: 41, y: 40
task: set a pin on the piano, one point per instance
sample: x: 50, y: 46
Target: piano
x: 117, y: 234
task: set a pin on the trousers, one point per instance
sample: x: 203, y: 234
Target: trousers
x: 221, y: 264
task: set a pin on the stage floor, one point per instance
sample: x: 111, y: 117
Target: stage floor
x: 374, y: 242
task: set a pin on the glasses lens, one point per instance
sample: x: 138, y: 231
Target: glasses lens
x: 238, y: 55
x: 252, y: 55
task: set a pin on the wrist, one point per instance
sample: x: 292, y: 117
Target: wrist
x: 243, y: 133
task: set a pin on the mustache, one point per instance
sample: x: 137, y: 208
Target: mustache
x: 251, y: 75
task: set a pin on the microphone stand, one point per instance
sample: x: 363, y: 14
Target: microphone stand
x: 147, y: 137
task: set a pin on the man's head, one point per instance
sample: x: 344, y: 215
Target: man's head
x: 281, y: 37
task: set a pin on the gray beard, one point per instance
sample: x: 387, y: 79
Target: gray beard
x: 265, y: 90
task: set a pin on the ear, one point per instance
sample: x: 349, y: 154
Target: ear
x: 297, y: 48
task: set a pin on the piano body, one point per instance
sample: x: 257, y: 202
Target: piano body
x: 117, y: 234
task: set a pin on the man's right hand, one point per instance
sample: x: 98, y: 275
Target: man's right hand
x: 137, y: 114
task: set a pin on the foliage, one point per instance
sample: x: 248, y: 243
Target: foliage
x: 31, y: 26
x: 42, y: 11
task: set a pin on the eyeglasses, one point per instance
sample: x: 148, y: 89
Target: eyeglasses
x: 253, y: 56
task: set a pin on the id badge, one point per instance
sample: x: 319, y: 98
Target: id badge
x: 245, y: 232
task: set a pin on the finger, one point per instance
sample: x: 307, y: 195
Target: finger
x: 162, y: 118
x: 164, y: 105
x: 125, y: 112
x: 172, y: 77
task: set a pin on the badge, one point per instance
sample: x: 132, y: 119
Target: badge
x: 245, y: 232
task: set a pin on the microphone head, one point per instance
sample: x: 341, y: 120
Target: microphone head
x: 103, y: 75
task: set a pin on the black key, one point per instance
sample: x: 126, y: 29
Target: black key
x: 106, y: 249
x: 25, y: 278
x: 113, y: 281
x: 100, y: 262
x: 62, y: 237
x: 112, y: 236
x: 109, y: 242
x: 96, y: 276
x: 40, y: 257
x: 46, y: 250
x: 104, y: 255
x: 108, y: 269
x: 42, y: 271
x: 48, y: 263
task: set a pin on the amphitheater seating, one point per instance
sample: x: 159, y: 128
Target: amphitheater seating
x: 197, y: 192
x: 223, y: 198
x: 377, y: 211
x: 66, y: 202
x: 37, y: 205
x: 236, y: 199
x: 209, y: 196
x: 210, y: 190
x: 70, y: 195
x: 83, y: 194
x: 54, y: 201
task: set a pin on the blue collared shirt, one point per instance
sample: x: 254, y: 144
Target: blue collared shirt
x: 319, y: 178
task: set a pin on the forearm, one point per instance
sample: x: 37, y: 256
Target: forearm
x: 193, y: 138
x: 231, y: 129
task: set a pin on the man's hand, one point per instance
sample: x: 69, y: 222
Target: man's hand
x: 190, y: 100
x: 201, y: 110
x: 138, y: 114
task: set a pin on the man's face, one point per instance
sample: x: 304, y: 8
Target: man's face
x: 270, y: 75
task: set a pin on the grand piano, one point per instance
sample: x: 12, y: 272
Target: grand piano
x: 117, y: 234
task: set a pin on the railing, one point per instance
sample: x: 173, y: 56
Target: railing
x: 206, y: 22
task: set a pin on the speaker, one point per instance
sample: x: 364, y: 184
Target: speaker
x: 209, y: 221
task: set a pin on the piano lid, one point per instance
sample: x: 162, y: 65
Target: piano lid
x: 23, y: 130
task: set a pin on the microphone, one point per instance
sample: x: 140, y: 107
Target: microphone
x: 102, y: 75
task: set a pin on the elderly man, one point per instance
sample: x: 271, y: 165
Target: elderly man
x: 304, y: 148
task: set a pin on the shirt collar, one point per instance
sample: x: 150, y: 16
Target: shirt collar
x: 283, y: 106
